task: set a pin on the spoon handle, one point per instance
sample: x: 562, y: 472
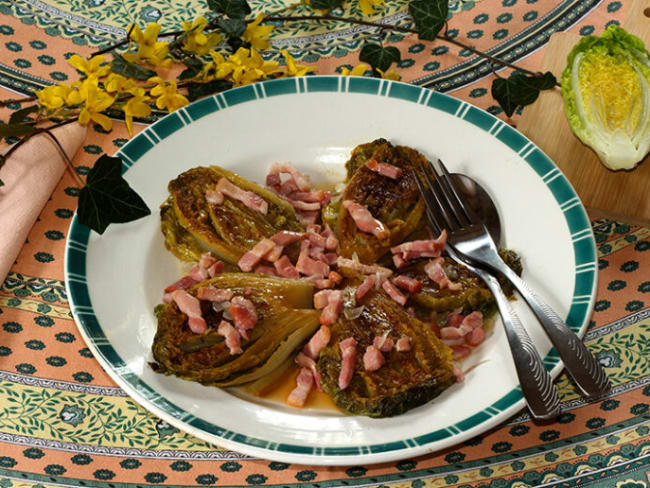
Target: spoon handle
x: 536, y: 383
x: 583, y: 367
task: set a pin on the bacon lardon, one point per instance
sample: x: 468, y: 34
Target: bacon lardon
x: 286, y: 237
x: 285, y: 269
x: 233, y: 339
x: 305, y: 361
x: 255, y: 255
x: 214, y: 294
x: 333, y: 309
x: 373, y: 359
x: 304, y: 384
x: 384, y: 169
x: 403, y: 344
x: 384, y: 343
x: 436, y: 272
x: 348, y: 349
x: 191, y: 307
x: 409, y: 284
x: 243, y: 314
x: 368, y: 269
x: 365, y: 221
x: 393, y: 292
x: 250, y: 199
x: 317, y: 342
x: 183, y: 284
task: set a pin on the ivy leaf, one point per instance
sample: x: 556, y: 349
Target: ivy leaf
x: 2, y: 183
x: 15, y: 130
x: 429, y: 17
x: 130, y: 70
x: 235, y: 9
x: 379, y: 57
x: 200, y: 90
x: 20, y: 115
x: 325, y: 4
x: 232, y: 27
x: 194, y: 67
x: 107, y: 198
x: 520, y: 90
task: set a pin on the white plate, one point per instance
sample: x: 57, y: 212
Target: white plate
x: 115, y: 280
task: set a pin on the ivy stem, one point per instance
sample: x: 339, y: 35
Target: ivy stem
x: 68, y: 161
x: 4, y: 103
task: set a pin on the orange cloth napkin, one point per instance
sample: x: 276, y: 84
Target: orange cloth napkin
x: 30, y: 175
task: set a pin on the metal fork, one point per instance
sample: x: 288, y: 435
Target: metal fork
x: 536, y: 383
x: 471, y: 241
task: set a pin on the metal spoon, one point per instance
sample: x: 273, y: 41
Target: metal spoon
x: 581, y: 365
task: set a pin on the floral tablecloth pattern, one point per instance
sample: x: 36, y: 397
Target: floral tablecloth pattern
x: 63, y: 422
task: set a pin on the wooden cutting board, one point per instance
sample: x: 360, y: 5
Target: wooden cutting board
x: 544, y: 122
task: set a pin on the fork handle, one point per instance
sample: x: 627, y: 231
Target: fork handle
x: 583, y: 367
x: 536, y: 383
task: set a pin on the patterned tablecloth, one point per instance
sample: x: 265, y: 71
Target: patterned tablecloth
x: 63, y: 422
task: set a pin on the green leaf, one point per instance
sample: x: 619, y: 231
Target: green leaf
x: 379, y: 57
x: 188, y: 73
x: 107, y: 197
x: 235, y: 9
x: 520, y: 90
x: 429, y: 17
x: 131, y: 70
x: 325, y: 4
x: 15, y: 130
x: 200, y: 90
x: 232, y: 27
x: 18, y: 116
x: 2, y: 183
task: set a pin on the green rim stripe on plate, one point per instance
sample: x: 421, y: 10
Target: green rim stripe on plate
x: 575, y: 216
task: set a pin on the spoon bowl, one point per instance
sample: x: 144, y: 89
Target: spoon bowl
x: 480, y: 201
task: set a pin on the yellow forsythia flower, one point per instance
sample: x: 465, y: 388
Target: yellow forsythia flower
x: 245, y: 66
x: 97, y: 100
x: 149, y: 49
x: 368, y: 7
x: 196, y: 41
x: 79, y: 92
x: 391, y: 75
x: 53, y: 97
x: 167, y: 94
x: 258, y: 34
x: 136, y: 106
x: 358, y: 70
x: 92, y: 67
x: 294, y: 69
x: 119, y: 84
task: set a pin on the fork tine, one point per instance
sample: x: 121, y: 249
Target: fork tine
x: 467, y: 211
x: 449, y: 196
x: 447, y: 214
x: 428, y: 205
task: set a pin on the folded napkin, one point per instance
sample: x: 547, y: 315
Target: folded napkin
x: 30, y: 175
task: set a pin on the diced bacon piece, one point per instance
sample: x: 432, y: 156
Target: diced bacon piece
x: 399, y: 261
x: 286, y: 237
x: 264, y: 269
x: 364, y: 220
x: 206, y: 260
x: 475, y: 337
x: 335, y: 277
x: 285, y: 269
x: 198, y: 273
x: 435, y: 246
x: 474, y: 320
x: 255, y: 255
x: 213, y: 294
x: 461, y: 352
x: 273, y: 179
x: 233, y: 339
x: 460, y: 376
x: 167, y: 298
x: 316, y: 252
x: 310, y: 196
x: 332, y: 310
x: 403, y: 344
x: 384, y: 343
x: 214, y: 197
x: 385, y: 169
x: 322, y: 283
x: 309, y: 217
x: 451, y: 333
x: 274, y: 254
x: 454, y: 342
x: 331, y: 242
x: 435, y: 271
x: 183, y: 284
x: 409, y: 284
x: 250, y: 199
x: 305, y: 206
x: 348, y: 349
x: 301, y: 181
x: 435, y: 328
x: 368, y: 269
x: 330, y: 258
x: 373, y: 359
x: 365, y: 287
x: 191, y: 307
x: 316, y: 239
x: 215, y: 269
x: 243, y: 314
x: 322, y: 298
x: 455, y: 319
x: 248, y: 291
x: 314, y: 228
x: 393, y: 292
x: 309, y: 266
x: 288, y: 187
x: 305, y: 361
x: 304, y: 384
x: 317, y: 342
